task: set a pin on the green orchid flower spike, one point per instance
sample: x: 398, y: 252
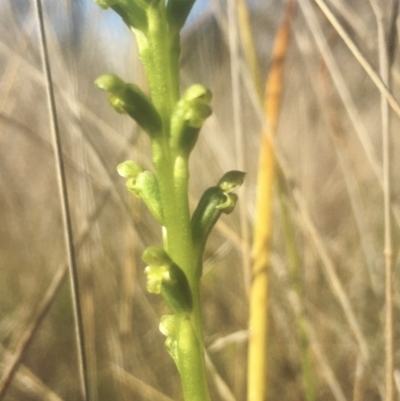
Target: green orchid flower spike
x: 173, y: 123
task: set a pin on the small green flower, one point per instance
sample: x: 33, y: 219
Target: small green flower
x: 155, y: 276
x: 188, y: 117
x: 215, y: 201
x: 144, y: 185
x: 166, y: 277
x: 129, y: 169
x: 167, y: 327
x: 231, y: 181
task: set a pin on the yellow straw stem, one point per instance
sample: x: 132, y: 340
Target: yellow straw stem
x: 258, y: 320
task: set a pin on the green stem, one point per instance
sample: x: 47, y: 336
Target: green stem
x: 158, y: 53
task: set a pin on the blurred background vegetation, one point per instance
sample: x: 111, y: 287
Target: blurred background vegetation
x: 328, y: 145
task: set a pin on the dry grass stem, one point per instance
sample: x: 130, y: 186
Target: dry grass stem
x: 259, y: 294
x: 240, y: 143
x: 223, y: 390
x: 25, y: 338
x: 321, y: 360
x: 65, y: 209
x: 334, y: 280
x: 380, y: 84
x: 137, y: 386
x: 248, y: 46
x: 27, y: 382
x: 384, y: 70
x: 340, y: 140
x: 341, y: 85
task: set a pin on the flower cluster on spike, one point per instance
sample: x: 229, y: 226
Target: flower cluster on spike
x: 173, y: 124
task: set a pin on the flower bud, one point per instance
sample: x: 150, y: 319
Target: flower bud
x: 188, y: 117
x: 143, y: 184
x: 215, y: 201
x: 129, y: 99
x: 231, y: 181
x: 129, y: 169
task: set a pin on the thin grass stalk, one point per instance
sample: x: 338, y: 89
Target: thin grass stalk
x: 323, y: 362
x: 223, y: 389
x: 330, y: 271
x: 36, y: 75
x: 238, y: 128
x: 258, y: 319
x: 384, y: 70
x: 63, y: 191
x: 294, y: 269
x: 376, y: 79
x: 10, y: 74
x: 343, y: 90
x: 28, y: 382
x: 358, y: 380
x: 324, y: 368
x: 352, y: 18
x: 137, y: 386
x: 37, y: 139
x: 48, y: 299
x: 356, y: 201
x: 249, y: 49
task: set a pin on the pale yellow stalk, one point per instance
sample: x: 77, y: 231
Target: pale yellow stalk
x: 258, y: 319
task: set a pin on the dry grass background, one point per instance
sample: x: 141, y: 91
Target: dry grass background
x: 329, y: 149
